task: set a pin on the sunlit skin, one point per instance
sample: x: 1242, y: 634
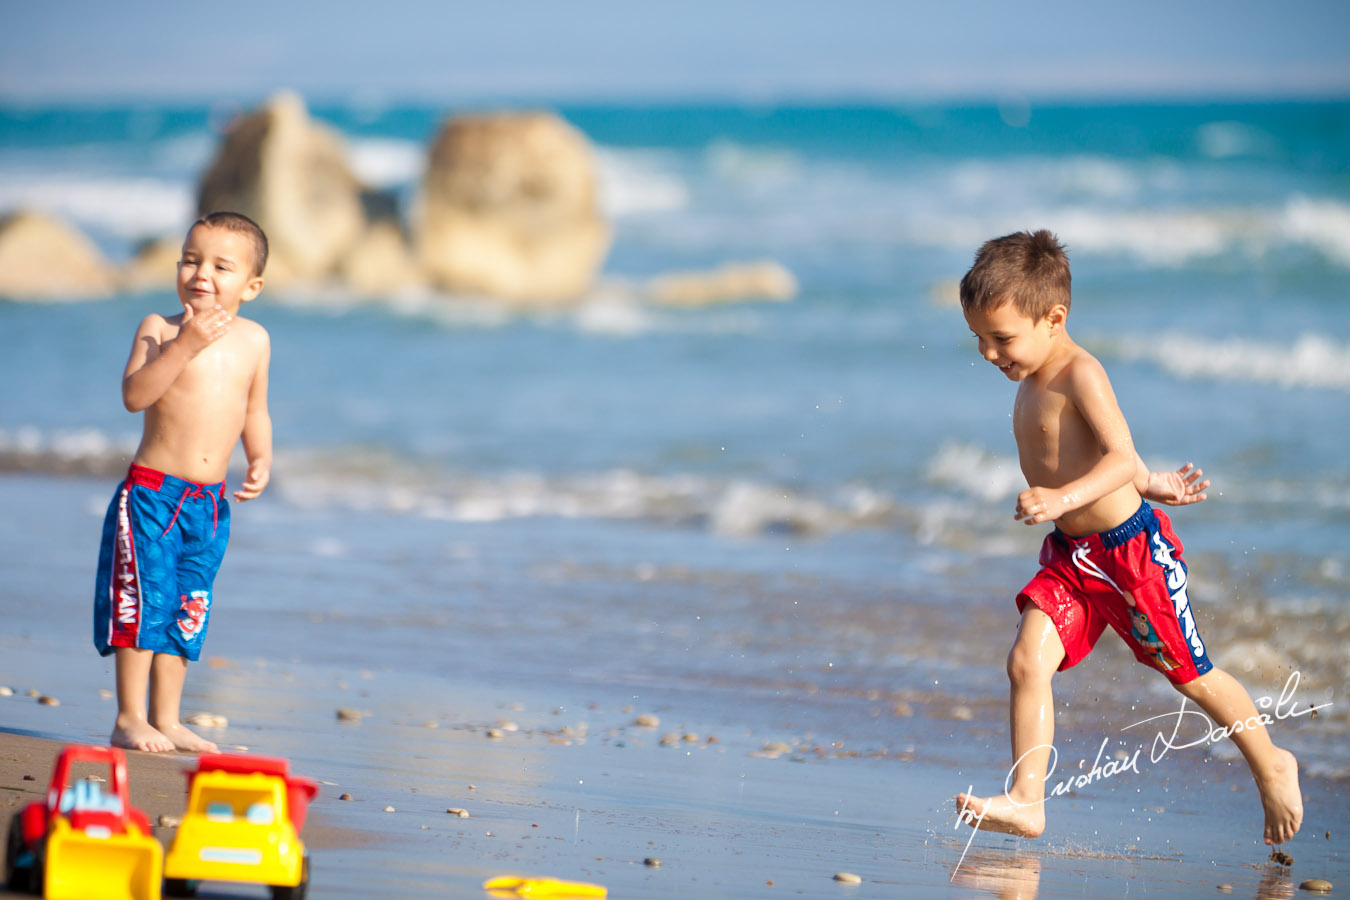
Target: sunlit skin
x: 201, y: 379
x: 1085, y: 475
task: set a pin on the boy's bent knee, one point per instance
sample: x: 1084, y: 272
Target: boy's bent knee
x: 1028, y: 664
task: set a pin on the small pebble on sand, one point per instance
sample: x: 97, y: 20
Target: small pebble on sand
x: 456, y: 811
x: 207, y: 720
x: 170, y: 821
x: 669, y: 740
x: 652, y: 862
x: 29, y: 778
x: 848, y: 878
x: 646, y: 720
x: 349, y: 715
x: 48, y: 701
x: 507, y: 725
x: 494, y: 733
x: 1315, y: 884
x: 345, y: 797
x: 33, y: 692
x: 389, y: 809
x: 689, y: 738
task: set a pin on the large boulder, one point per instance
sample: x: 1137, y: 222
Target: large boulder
x: 43, y: 258
x: 290, y: 175
x: 154, y: 266
x: 510, y: 209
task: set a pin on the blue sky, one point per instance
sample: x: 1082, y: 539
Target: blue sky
x: 628, y: 49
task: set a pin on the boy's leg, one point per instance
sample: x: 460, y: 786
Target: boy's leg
x: 167, y: 673
x: 1275, y: 770
x: 1032, y: 662
x: 131, y: 730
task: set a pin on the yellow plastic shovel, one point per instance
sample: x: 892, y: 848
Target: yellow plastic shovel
x: 542, y: 888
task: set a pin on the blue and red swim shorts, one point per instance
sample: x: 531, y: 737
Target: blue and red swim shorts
x: 163, y: 541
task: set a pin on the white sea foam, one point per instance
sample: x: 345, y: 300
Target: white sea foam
x: 1310, y: 361
x: 976, y: 472
x: 129, y: 207
x: 734, y: 508
x: 634, y: 182
x: 386, y: 162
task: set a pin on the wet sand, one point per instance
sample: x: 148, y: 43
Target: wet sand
x: 740, y: 790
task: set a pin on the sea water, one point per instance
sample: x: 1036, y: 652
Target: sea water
x: 803, y: 500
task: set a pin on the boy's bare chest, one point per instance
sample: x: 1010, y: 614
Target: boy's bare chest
x: 1046, y: 424
x: 219, y: 375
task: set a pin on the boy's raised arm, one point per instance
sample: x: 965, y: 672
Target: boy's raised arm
x: 155, y: 363
x: 257, y: 434
x: 1090, y: 391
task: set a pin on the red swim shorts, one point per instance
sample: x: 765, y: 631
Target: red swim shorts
x: 1131, y: 578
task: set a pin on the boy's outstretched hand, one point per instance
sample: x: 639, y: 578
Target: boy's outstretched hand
x: 255, y: 481
x: 1180, y: 488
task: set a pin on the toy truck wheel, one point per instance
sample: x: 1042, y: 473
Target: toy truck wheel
x: 299, y: 891
x: 179, y: 887
x: 21, y: 878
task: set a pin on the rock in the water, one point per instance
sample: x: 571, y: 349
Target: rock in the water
x: 43, y: 258
x: 848, y: 878
x: 511, y: 209
x: 290, y: 175
x: 380, y: 262
x: 1316, y: 884
x: 765, y: 280
x: 154, y: 267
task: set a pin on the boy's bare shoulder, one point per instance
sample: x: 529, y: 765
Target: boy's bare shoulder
x: 1083, y: 371
x: 251, y: 331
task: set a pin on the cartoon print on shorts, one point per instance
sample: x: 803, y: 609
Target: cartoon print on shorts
x: 195, y: 606
x: 1148, y: 639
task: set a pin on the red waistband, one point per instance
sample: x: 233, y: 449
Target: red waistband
x: 145, y: 477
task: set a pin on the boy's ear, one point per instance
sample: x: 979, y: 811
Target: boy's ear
x: 252, y: 289
x: 1057, y: 316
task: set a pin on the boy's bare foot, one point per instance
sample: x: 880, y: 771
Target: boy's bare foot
x: 137, y: 734
x: 184, y: 739
x: 1002, y: 815
x: 1282, y: 799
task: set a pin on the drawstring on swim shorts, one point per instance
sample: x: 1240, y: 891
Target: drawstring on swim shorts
x: 1080, y: 559
x: 195, y: 492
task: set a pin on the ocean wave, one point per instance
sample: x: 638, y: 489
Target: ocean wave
x: 1310, y: 361
x: 636, y: 182
x: 83, y: 451
x: 130, y: 207
x: 727, y: 507
x: 386, y: 162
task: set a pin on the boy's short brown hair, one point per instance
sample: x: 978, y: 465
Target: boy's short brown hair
x: 240, y: 224
x: 1031, y: 271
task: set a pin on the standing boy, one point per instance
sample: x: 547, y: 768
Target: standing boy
x: 201, y: 378
x: 1112, y: 559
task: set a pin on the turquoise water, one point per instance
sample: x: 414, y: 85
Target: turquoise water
x: 832, y: 477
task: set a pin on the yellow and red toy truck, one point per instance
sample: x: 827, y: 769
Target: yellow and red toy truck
x: 242, y: 824
x: 81, y: 843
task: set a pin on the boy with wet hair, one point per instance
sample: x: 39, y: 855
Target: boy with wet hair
x: 201, y: 379
x: 1112, y: 558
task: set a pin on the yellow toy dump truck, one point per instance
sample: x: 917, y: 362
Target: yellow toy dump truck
x: 82, y: 843
x: 242, y: 824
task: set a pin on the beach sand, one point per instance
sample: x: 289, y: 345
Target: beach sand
x: 738, y: 790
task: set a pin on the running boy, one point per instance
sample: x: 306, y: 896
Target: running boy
x: 1112, y: 559
x: 201, y: 378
